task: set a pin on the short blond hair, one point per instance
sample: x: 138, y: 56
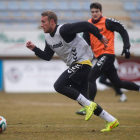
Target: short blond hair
x: 50, y: 15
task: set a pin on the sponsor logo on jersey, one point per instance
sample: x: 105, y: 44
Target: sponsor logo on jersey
x: 101, y: 60
x: 60, y: 44
x: 74, y: 53
x: 74, y: 68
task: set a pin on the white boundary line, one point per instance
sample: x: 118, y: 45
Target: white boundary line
x: 108, y: 105
x: 35, y: 125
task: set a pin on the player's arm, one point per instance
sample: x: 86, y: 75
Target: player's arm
x: 47, y: 54
x: 69, y: 31
x: 115, y: 25
x: 86, y: 37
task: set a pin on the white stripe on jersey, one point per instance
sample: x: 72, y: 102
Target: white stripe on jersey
x: 114, y: 20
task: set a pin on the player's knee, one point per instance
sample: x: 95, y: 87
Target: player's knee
x: 57, y: 87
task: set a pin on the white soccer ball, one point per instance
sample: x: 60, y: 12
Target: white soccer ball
x: 3, y: 124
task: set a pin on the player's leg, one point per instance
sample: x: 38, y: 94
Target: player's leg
x: 95, y: 73
x: 103, y: 80
x: 92, y: 87
x: 62, y: 85
x: 98, y: 111
x: 67, y: 78
x: 112, y: 75
x: 101, y: 65
x: 119, y: 92
x: 114, y: 78
x: 82, y: 88
x: 111, y: 122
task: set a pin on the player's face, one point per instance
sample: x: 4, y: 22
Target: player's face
x: 46, y: 24
x: 95, y: 13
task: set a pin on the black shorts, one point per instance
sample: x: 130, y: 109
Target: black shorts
x: 78, y: 73
x: 104, y: 65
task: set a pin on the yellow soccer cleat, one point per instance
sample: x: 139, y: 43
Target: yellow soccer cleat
x: 90, y: 110
x: 81, y: 111
x: 110, y: 125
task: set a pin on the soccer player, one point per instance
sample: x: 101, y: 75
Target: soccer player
x: 76, y: 53
x: 106, y: 55
x: 103, y: 80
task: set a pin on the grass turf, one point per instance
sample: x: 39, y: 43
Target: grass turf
x: 52, y: 117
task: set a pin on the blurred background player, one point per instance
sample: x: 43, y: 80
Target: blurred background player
x: 77, y: 54
x: 104, y: 80
x: 106, y: 55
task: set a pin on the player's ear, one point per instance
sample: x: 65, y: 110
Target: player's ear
x: 52, y: 21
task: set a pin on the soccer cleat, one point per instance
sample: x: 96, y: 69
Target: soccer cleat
x: 123, y: 98
x: 90, y: 110
x: 110, y: 125
x: 81, y: 111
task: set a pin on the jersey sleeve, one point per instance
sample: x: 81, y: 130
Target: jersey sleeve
x: 86, y: 37
x: 71, y: 29
x: 115, y: 25
x: 47, y: 54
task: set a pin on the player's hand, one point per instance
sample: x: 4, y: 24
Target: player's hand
x: 104, y: 41
x: 30, y: 45
x: 126, y: 52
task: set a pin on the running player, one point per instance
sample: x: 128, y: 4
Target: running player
x: 106, y: 55
x: 76, y: 53
x: 103, y: 80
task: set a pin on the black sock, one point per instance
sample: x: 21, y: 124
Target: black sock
x: 98, y: 110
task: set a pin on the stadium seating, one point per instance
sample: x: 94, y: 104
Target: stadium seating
x: 2, y: 5
x: 12, y: 5
x: 129, y: 6
x: 50, y: 5
x: 37, y: 5
x: 138, y: 6
x: 75, y: 5
x: 24, y: 5
x: 28, y: 12
x: 85, y: 5
x: 63, y: 5
x: 16, y: 15
x: 135, y: 16
x: 133, y: 8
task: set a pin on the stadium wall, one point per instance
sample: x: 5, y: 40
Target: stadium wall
x: 23, y: 72
x: 13, y: 43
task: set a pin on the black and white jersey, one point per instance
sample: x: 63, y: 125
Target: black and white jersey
x: 68, y: 44
x: 76, y: 50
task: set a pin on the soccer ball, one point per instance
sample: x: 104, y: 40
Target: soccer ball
x: 3, y: 124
